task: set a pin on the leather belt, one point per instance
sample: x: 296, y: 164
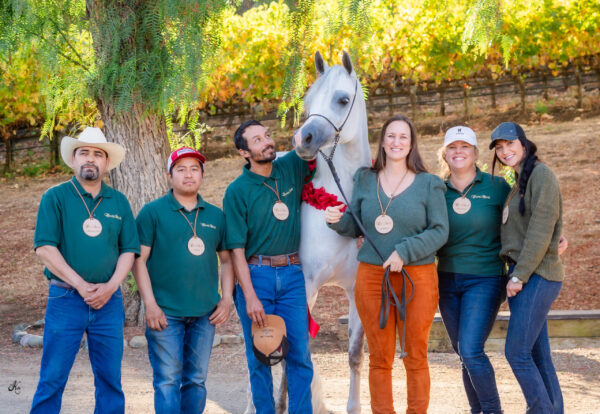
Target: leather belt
x: 61, y: 284
x: 275, y: 261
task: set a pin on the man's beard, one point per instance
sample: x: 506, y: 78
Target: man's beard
x: 89, y: 172
x: 259, y: 158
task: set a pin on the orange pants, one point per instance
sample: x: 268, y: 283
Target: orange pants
x: 382, y: 342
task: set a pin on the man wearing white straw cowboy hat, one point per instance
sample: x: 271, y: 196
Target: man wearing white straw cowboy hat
x: 86, y: 236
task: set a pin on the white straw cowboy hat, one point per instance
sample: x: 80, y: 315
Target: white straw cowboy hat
x: 92, y: 137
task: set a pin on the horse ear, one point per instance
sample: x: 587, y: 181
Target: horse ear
x: 320, y: 64
x: 347, y: 62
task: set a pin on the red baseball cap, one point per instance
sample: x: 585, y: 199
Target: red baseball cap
x: 182, y: 153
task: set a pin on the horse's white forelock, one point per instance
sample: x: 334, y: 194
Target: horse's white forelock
x: 324, y: 84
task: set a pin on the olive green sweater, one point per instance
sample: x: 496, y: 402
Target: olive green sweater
x: 419, y: 214
x: 531, y: 240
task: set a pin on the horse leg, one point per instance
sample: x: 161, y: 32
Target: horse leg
x: 355, y: 355
x: 318, y: 405
x: 250, y: 404
x: 281, y: 396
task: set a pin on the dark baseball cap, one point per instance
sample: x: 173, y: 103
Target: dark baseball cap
x: 508, y: 131
x: 269, y: 343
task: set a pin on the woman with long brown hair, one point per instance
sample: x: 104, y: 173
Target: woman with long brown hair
x: 404, y: 213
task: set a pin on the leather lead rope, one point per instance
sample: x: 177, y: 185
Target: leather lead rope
x: 387, y: 289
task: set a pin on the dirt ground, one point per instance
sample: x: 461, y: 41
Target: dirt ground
x: 572, y: 149
x: 578, y: 371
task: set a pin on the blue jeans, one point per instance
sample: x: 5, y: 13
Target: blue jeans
x: 281, y: 291
x: 528, y: 347
x: 67, y: 318
x: 469, y: 305
x: 179, y: 356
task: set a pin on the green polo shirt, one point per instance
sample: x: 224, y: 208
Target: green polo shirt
x: 473, y: 245
x: 183, y: 284
x: 248, y: 205
x: 60, y: 223
x: 419, y: 214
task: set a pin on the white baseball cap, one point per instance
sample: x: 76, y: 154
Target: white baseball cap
x: 460, y: 133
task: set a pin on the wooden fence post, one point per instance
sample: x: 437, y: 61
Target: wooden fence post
x: 579, y: 88
x: 465, y: 99
x: 545, y: 84
x: 54, y: 151
x: 412, y: 94
x: 8, y: 145
x: 492, y: 84
x: 442, y: 91
x: 521, y: 85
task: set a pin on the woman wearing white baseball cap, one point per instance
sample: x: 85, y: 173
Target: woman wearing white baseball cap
x: 472, y: 279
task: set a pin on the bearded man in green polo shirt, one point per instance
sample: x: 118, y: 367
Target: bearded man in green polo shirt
x: 85, y: 234
x: 177, y: 275
x: 262, y: 210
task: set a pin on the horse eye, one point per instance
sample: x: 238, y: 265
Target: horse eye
x: 344, y: 101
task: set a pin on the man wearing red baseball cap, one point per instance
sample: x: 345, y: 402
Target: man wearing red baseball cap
x: 177, y: 275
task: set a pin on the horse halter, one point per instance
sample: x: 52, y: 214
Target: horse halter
x: 337, y: 129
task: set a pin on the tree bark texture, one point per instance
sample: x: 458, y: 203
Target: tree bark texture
x: 142, y: 174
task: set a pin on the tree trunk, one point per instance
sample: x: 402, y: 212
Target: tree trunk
x: 142, y: 174
x: 545, y: 84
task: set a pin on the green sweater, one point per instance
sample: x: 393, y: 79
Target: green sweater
x: 531, y: 240
x: 419, y: 214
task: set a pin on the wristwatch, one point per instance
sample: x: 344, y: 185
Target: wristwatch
x: 515, y: 279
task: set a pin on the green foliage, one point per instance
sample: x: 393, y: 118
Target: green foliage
x: 131, y: 283
x: 541, y: 107
x: 179, y: 57
x: 34, y: 170
x: 508, y: 174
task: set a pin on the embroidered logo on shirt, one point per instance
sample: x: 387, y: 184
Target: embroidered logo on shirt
x: 481, y: 196
x: 287, y: 192
x: 115, y: 216
x: 212, y: 226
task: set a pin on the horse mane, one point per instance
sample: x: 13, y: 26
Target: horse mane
x: 321, y: 81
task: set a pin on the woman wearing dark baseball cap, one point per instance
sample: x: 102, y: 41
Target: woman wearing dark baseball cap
x: 530, y: 234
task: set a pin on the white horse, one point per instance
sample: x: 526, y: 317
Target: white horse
x: 337, y: 117
x: 336, y: 120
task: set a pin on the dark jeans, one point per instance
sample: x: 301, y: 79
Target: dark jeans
x: 528, y: 347
x: 469, y: 305
x: 67, y: 318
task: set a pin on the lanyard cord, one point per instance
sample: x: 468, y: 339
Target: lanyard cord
x: 189, y: 222
x: 272, y: 189
x: 91, y: 213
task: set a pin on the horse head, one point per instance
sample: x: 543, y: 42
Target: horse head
x: 334, y: 106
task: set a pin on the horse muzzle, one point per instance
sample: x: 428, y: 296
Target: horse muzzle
x: 312, y: 136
